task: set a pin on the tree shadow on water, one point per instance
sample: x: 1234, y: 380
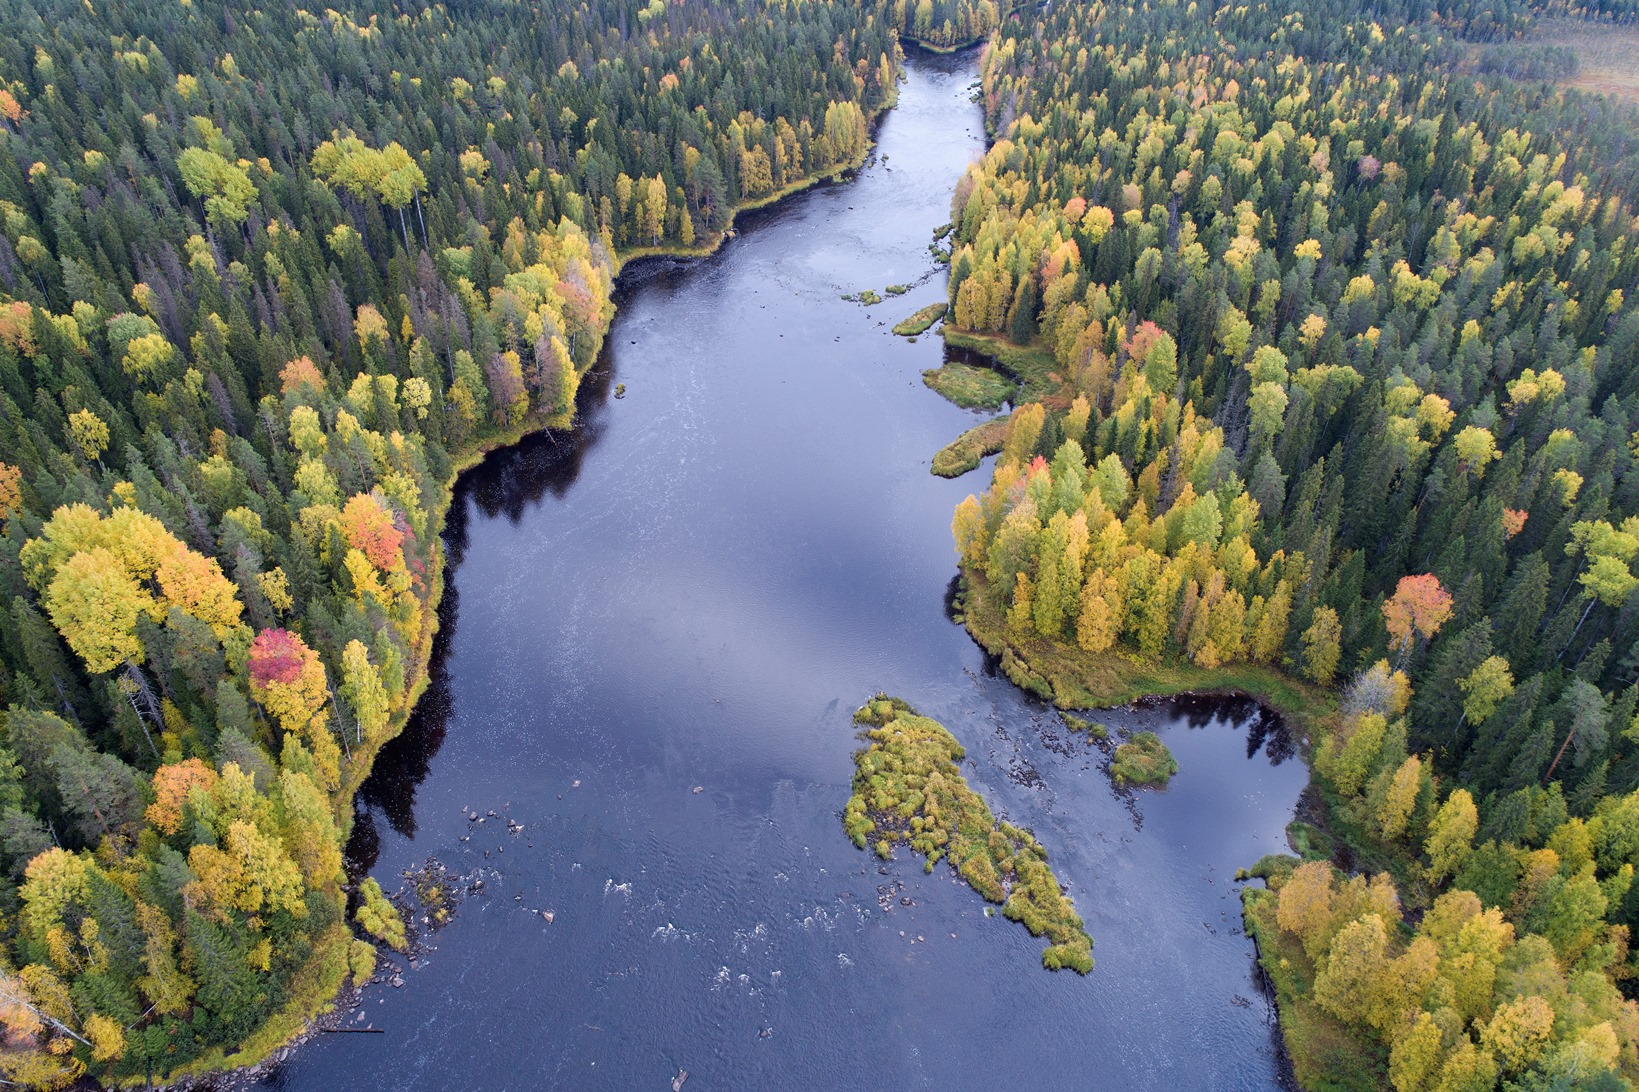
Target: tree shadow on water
x: 514, y: 479
x: 507, y: 483
x: 1266, y: 731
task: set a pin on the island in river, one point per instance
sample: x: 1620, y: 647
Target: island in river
x: 692, y: 590
x: 908, y: 790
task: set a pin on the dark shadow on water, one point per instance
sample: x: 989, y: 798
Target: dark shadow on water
x: 507, y: 483
x: 404, y: 762
x: 956, y: 354
x: 511, y: 481
x: 939, y: 61
x: 1269, y: 732
x: 953, y: 594
x: 1266, y: 730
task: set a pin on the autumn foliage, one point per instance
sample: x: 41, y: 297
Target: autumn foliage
x: 277, y: 658
x: 371, y: 528
x: 1418, y: 608
x: 172, y: 786
x: 237, y: 369
x: 300, y: 374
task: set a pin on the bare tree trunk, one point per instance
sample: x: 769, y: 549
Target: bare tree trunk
x: 342, y: 724
x: 140, y: 684
x: 1572, y: 639
x: 1555, y: 764
x: 1580, y: 565
x: 43, y: 1015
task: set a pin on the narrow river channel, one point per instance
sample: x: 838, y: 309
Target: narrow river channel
x: 655, y: 633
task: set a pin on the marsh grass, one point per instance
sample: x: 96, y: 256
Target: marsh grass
x: 907, y: 790
x: 919, y: 322
x: 1031, y: 365
x: 970, y: 387
x: 1093, y: 728
x: 1607, y: 54
x: 964, y: 453
x: 1143, y: 760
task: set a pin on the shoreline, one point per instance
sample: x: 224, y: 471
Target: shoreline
x: 1071, y: 679
x: 943, y: 51
x: 1068, y: 678
x: 295, y: 1023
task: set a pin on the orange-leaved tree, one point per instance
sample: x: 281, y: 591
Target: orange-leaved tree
x: 1418, y: 608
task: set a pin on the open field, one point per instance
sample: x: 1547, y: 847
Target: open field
x: 1607, y: 55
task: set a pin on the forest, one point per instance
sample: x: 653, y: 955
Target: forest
x: 1342, y: 352
x: 948, y: 24
x: 1340, y: 347
x: 268, y: 278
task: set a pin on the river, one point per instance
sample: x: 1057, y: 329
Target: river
x: 655, y: 632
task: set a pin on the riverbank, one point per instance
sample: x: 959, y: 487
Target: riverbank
x: 1073, y: 679
x: 634, y: 601
x: 831, y: 174
x: 942, y: 50
x: 1029, y: 373
x: 324, y: 973
x: 1318, y: 1050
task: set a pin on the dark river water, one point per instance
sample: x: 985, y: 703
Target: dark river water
x: 696, y: 589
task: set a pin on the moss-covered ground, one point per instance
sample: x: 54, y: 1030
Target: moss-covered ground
x: 908, y: 791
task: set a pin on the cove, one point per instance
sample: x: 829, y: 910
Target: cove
x: 696, y: 588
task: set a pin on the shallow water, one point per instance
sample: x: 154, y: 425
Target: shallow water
x: 695, y: 589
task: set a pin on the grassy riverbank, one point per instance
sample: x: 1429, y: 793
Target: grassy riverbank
x: 1322, y: 1051
x: 909, y: 791
x: 943, y: 50
x: 714, y: 243
x: 1031, y: 366
x: 964, y: 453
x: 1029, y: 374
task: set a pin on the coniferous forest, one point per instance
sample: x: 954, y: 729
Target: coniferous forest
x: 1342, y: 353
x: 1331, y: 344
x: 267, y: 278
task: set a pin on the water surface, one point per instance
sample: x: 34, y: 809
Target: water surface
x: 693, y: 591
